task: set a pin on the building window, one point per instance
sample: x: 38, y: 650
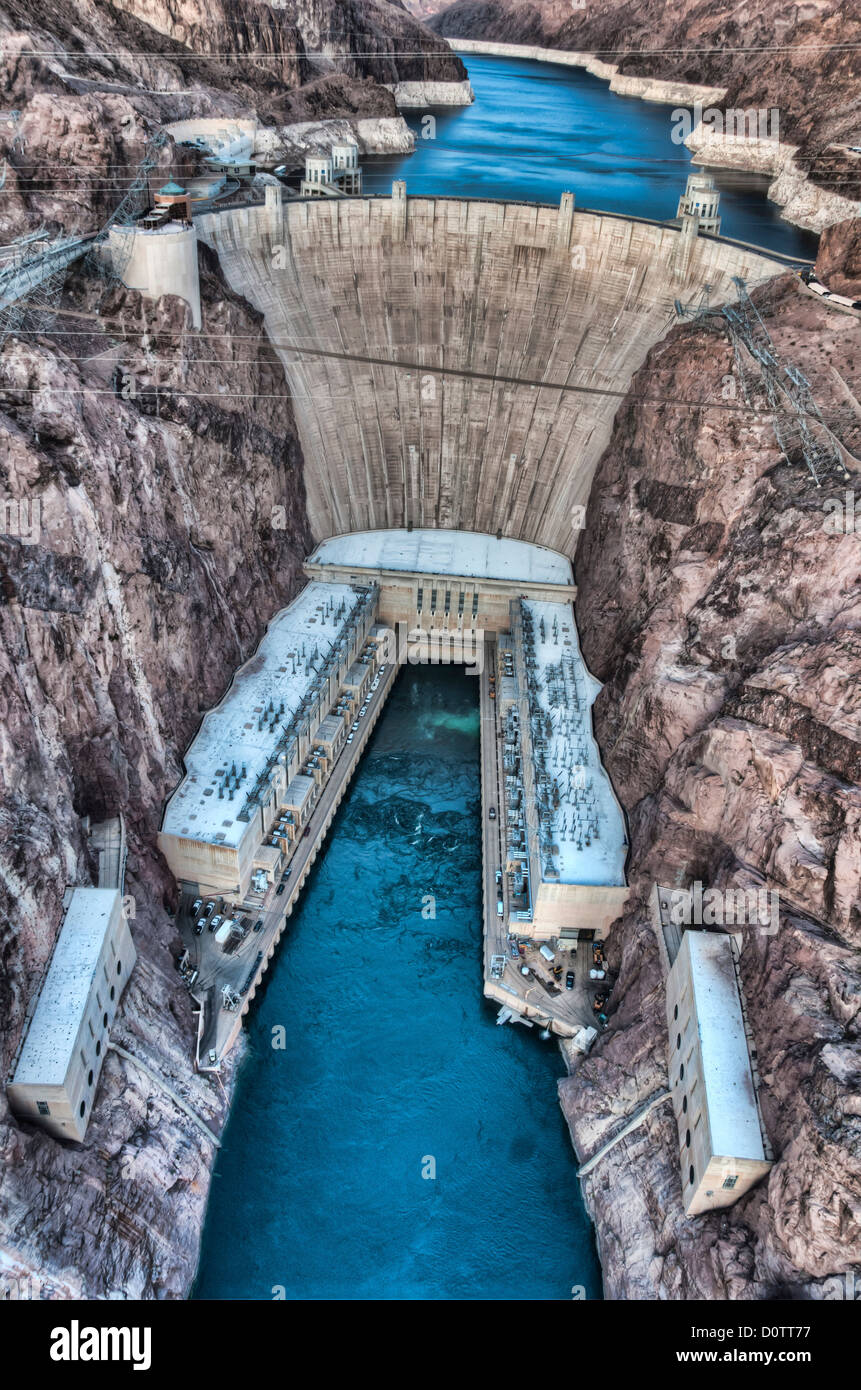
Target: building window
x: 90, y: 1077
x: 82, y: 1109
x: 475, y: 605
x: 43, y: 1107
x: 119, y: 967
x: 688, y: 1139
x: 98, y: 1049
x: 433, y: 601
x: 113, y: 991
x: 419, y: 600
x: 682, y: 1072
x: 730, y: 1182
x: 685, y: 1106
x: 678, y: 1041
x: 676, y: 1011
x: 104, y: 1020
x: 691, y: 1175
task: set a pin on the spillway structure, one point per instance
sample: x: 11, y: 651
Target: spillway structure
x: 457, y: 363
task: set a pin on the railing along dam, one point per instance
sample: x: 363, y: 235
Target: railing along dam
x: 512, y: 296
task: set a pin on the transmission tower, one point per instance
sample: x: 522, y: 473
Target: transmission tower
x: 799, y: 427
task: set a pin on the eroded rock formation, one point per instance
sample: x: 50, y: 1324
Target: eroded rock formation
x: 719, y: 600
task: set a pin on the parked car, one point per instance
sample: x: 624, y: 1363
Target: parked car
x: 363, y: 711
x: 258, y: 925
x: 199, y: 926
x: 306, y: 832
x: 492, y: 813
x: 280, y: 889
x: 499, y: 907
x: 215, y: 923
x: 286, y: 874
x: 213, y: 1056
x: 350, y: 738
x: 355, y: 727
x: 569, y: 980
x: 208, y: 910
x: 499, y: 875
x: 196, y: 906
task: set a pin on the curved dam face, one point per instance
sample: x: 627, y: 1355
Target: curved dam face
x: 461, y: 294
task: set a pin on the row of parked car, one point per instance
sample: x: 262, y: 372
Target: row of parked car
x: 367, y: 700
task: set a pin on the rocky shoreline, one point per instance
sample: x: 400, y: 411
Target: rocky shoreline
x: 803, y: 202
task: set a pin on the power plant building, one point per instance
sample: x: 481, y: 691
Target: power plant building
x: 57, y: 1072
x: 722, y: 1144
x: 250, y: 758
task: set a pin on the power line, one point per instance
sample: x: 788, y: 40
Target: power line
x: 451, y: 47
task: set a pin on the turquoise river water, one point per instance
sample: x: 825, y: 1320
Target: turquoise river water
x: 394, y: 1060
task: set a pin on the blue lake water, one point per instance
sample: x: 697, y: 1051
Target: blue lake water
x: 393, y: 1058
x: 536, y: 130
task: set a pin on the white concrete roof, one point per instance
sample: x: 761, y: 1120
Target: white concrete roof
x: 732, y: 1113
x: 282, y: 670
x: 50, y: 1040
x: 588, y: 810
x: 471, y: 554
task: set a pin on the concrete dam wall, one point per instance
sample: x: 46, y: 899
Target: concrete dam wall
x: 492, y: 289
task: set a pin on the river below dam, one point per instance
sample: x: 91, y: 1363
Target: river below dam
x: 393, y: 1068
x: 538, y: 129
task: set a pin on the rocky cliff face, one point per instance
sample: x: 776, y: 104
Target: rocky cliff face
x: 112, y: 74
x: 838, y: 263
x: 786, y: 63
x: 168, y: 529
x: 719, y: 601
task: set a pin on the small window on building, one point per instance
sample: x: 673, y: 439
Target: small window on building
x: 104, y: 1020
x: 731, y: 1181
x: 678, y: 1041
x: 90, y: 1077
x: 43, y: 1107
x: 419, y: 599
x: 682, y: 1072
x: 475, y: 605
x: 676, y: 1011
x: 685, y: 1106
x: 113, y: 991
x: 82, y: 1109
x: 433, y: 601
x: 98, y: 1049
x: 119, y: 967
x: 691, y: 1175
x: 688, y: 1139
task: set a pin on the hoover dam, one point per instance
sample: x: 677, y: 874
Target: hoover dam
x: 458, y: 363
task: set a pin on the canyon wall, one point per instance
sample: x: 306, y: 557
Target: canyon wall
x: 489, y: 290
x: 719, y: 602
x: 169, y: 530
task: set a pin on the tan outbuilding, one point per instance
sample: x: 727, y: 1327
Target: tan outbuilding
x: 722, y: 1144
x: 57, y: 1072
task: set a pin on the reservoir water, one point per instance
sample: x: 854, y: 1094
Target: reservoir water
x: 537, y: 129
x: 393, y: 1065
